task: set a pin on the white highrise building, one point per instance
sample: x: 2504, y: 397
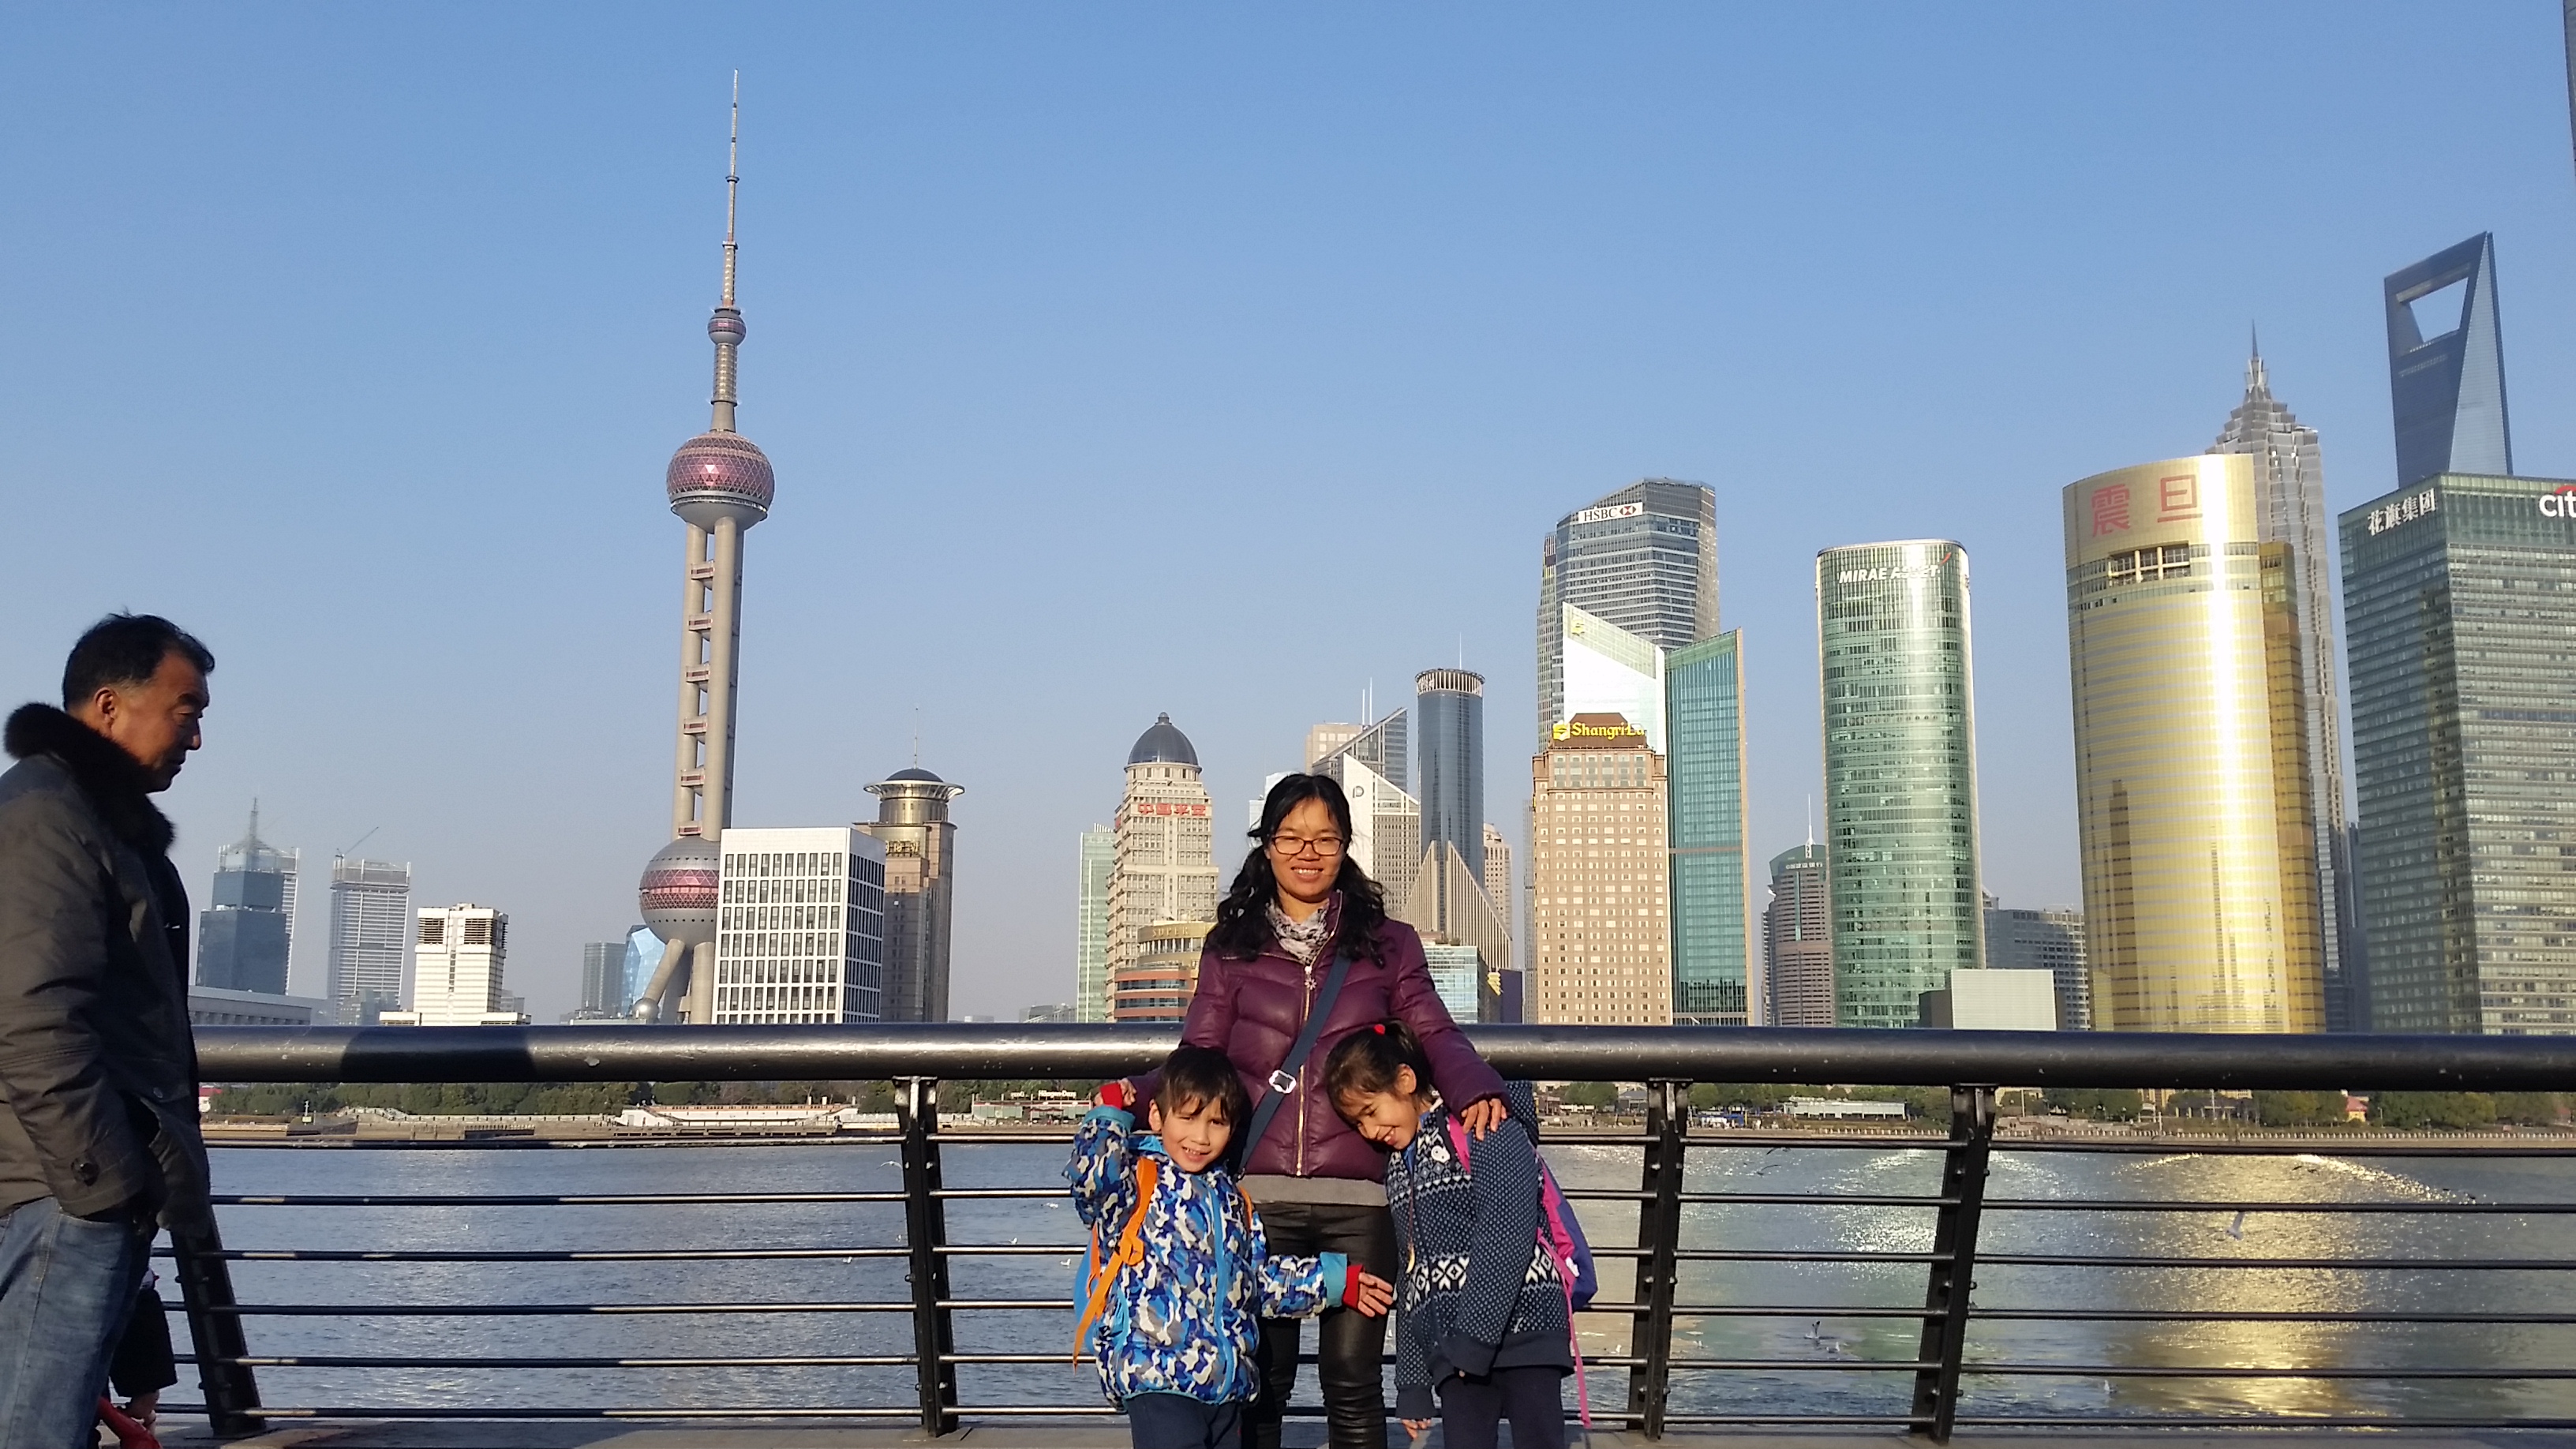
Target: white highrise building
x: 458, y: 955
x: 1165, y: 869
x: 371, y: 930
x: 800, y: 927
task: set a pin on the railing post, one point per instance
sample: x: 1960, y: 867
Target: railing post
x: 205, y: 1288
x: 1954, y: 1272
x: 925, y: 1232
x: 1659, y: 1231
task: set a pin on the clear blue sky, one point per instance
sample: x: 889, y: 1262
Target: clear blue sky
x: 1125, y: 359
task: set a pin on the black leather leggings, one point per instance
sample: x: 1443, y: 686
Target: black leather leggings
x: 1349, y: 1347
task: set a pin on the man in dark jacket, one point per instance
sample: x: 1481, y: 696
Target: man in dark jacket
x: 98, y: 1074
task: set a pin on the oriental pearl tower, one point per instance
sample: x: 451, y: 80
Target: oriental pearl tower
x: 720, y: 485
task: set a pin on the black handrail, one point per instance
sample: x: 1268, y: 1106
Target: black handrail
x: 915, y: 1058
x: 961, y: 1050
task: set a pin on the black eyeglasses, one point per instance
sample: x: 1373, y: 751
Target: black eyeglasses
x: 1291, y: 846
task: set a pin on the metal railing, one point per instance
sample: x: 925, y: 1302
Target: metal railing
x: 1971, y: 1065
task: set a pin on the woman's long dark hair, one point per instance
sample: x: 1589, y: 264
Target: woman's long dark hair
x: 1243, y: 917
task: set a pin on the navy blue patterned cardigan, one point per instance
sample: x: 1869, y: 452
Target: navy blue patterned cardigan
x: 1479, y: 1291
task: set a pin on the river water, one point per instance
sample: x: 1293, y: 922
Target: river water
x: 1835, y: 1344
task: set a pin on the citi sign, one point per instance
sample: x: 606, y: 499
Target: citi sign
x: 2560, y: 504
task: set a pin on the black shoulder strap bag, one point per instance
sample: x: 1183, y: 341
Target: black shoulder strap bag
x: 1284, y: 1082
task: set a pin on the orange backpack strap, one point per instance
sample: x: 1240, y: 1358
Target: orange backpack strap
x: 1130, y: 1250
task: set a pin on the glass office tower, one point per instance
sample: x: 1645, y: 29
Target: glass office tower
x: 1449, y: 704
x: 1099, y: 857
x: 2459, y: 602
x: 1643, y: 558
x: 1704, y: 781
x: 2446, y: 365
x: 244, y: 942
x: 1900, y: 775
x: 2192, y: 785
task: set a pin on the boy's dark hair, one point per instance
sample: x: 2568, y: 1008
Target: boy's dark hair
x: 1365, y: 1062
x: 124, y: 649
x: 1202, y: 1074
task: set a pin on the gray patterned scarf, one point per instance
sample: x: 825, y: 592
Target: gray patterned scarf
x: 1304, y: 940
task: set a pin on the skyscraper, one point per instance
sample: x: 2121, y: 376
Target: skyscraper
x: 459, y: 955
x: 603, y: 978
x: 2459, y: 601
x: 1643, y: 558
x: 1704, y: 778
x: 801, y: 924
x: 720, y: 485
x: 1323, y: 739
x: 1165, y: 872
x: 2446, y: 365
x: 1900, y: 774
x: 1600, y: 939
x: 1386, y: 824
x: 1098, y: 860
x: 371, y: 930
x: 2191, y: 772
x: 1604, y: 669
x: 1497, y: 879
x: 1383, y: 745
x: 2290, y: 508
x: 1451, y: 703
x: 920, y: 865
x: 2044, y: 940
x: 245, y: 941
x: 1798, y: 941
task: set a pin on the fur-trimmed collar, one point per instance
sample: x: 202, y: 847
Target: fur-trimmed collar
x: 111, y: 778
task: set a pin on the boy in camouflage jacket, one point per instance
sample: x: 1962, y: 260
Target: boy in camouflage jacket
x: 1184, y: 1282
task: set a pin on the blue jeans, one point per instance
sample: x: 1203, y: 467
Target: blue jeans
x: 66, y: 1286
x: 1176, y: 1421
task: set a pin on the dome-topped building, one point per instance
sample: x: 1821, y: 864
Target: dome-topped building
x: 1163, y: 744
x: 1164, y: 872
x: 921, y: 845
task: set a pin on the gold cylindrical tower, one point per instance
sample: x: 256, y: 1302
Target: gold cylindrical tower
x: 2200, y: 875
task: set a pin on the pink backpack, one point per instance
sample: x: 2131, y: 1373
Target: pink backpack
x: 1561, y: 1233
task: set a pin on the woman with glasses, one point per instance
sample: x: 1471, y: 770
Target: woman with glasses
x: 1297, y: 906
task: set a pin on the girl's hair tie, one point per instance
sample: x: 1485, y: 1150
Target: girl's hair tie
x: 1378, y: 1027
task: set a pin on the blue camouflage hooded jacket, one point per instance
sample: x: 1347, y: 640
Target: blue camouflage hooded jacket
x: 1187, y: 1319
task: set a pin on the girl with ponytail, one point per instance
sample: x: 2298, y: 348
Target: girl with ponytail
x: 1487, y: 1309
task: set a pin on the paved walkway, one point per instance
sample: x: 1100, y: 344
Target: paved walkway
x: 1097, y: 1435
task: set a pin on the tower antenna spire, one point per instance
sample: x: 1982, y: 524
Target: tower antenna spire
x: 725, y: 327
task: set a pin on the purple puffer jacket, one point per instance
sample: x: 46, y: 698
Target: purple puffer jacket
x: 1252, y: 1011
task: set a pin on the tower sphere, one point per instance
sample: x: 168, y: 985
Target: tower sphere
x: 726, y: 325
x: 715, y: 474
x: 678, y: 892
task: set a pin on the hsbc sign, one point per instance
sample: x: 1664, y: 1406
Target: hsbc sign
x: 2560, y: 504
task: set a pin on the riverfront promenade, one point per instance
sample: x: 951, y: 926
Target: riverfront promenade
x: 1299, y: 1436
